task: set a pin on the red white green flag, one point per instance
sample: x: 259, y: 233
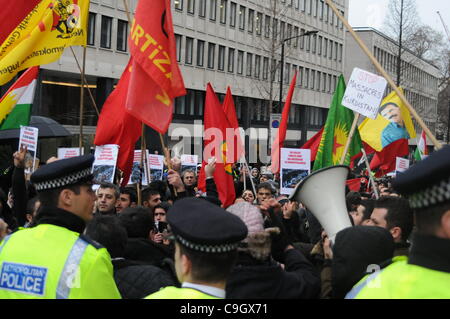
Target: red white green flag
x: 421, y: 150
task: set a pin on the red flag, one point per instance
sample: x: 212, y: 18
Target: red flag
x: 313, y: 144
x: 12, y: 13
x: 230, y: 112
x: 385, y: 160
x: 215, y: 145
x: 116, y: 126
x: 354, y: 184
x: 156, y: 79
x: 281, y: 134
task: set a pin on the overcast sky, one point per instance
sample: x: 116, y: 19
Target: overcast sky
x: 370, y: 13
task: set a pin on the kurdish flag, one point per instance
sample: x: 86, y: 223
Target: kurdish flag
x: 421, y: 150
x: 336, y: 131
x: 15, y: 105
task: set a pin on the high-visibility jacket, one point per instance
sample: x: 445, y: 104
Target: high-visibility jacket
x: 179, y: 293
x: 49, y: 261
x: 401, y: 280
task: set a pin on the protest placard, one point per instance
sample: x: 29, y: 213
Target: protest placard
x: 105, y: 162
x: 68, y: 152
x: 29, y: 138
x: 189, y: 162
x: 136, y: 173
x: 401, y: 165
x: 156, y: 167
x: 295, y: 165
x: 364, y: 92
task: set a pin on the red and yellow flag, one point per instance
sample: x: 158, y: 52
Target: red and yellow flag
x: 156, y: 78
x: 43, y: 35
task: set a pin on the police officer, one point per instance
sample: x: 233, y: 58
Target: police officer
x: 206, y: 239
x: 426, y: 273
x: 53, y: 259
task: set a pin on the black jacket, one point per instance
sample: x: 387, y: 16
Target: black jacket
x: 136, y: 280
x: 145, y: 250
x: 253, y: 279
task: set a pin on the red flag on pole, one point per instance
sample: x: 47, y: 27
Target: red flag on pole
x: 385, y: 160
x: 156, y: 78
x: 281, y: 134
x: 230, y: 112
x: 215, y: 144
x: 313, y: 144
x: 116, y: 126
x: 12, y: 13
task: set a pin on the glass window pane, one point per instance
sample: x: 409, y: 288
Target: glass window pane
x: 122, y: 33
x: 91, y: 29
x: 105, y: 36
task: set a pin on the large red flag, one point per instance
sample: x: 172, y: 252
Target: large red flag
x: 156, y: 79
x: 313, y: 144
x: 215, y: 144
x: 230, y: 112
x: 281, y: 134
x: 12, y: 13
x: 116, y: 126
x: 385, y: 160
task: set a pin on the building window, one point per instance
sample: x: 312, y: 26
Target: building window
x: 249, y: 64
x: 212, y: 9
x: 318, y: 78
x: 178, y: 4
x: 240, y: 62
x: 335, y: 50
x: 230, y: 60
x: 326, y: 12
x: 321, y: 9
x: 275, y: 29
x: 211, y: 55
x: 251, y: 20
x: 330, y: 49
x: 178, y: 45
x: 91, y: 28
x: 314, y: 7
x: 302, y: 5
x: 305, y: 84
x: 221, y: 66
x: 122, y: 33
x: 105, y: 36
x: 200, y: 52
x: 282, y: 31
x: 289, y: 34
x: 312, y: 79
x: 259, y: 17
x: 189, y: 47
x: 325, y: 47
x: 223, y: 11
x: 314, y: 43
x: 241, y: 17
x: 297, y: 4
x: 191, y: 6
x: 257, y: 66
x: 295, y: 37
x: 287, y: 72
x: 319, y: 48
x: 202, y: 8
x: 302, y: 39
x: 308, y: 43
x: 309, y: 6
x: 232, y: 14
x: 300, y: 73
x: 265, y: 68
x: 267, y: 26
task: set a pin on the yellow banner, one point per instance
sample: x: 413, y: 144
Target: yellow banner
x: 43, y: 35
x: 392, y: 123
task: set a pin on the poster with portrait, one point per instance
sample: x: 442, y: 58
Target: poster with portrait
x: 105, y: 162
x: 68, y: 152
x: 29, y: 138
x: 156, y: 167
x: 295, y: 165
x: 189, y: 162
x: 137, y: 174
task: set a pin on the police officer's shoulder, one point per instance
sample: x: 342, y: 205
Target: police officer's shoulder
x: 90, y: 241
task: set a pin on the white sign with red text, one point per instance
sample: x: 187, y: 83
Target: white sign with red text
x: 105, y: 162
x: 29, y: 138
x: 189, y: 162
x: 136, y: 175
x: 295, y: 165
x: 156, y: 167
x: 401, y: 164
x: 68, y: 152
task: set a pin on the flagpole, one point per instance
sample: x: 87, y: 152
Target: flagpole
x: 85, y: 81
x: 142, y: 162
x: 350, y: 137
x: 385, y: 75
x: 82, y: 100
x: 370, y: 173
x: 251, y: 180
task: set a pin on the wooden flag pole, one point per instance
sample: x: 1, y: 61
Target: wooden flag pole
x: 85, y: 81
x: 370, y: 173
x: 127, y: 11
x: 141, y: 165
x: 82, y: 101
x: 167, y: 157
x: 350, y: 137
x: 385, y: 75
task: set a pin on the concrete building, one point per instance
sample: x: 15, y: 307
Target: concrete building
x: 419, y: 78
x: 232, y: 43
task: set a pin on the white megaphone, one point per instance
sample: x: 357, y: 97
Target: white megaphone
x: 323, y: 193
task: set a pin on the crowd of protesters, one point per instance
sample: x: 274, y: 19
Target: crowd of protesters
x: 284, y: 253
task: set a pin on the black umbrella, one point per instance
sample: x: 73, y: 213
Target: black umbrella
x: 47, y: 128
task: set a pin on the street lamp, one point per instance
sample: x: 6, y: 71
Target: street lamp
x: 282, y: 63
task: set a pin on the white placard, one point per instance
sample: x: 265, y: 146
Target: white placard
x: 68, y: 152
x: 29, y: 138
x: 104, y: 165
x: 135, y: 171
x: 155, y: 166
x: 295, y: 165
x: 364, y: 93
x: 401, y: 164
x: 189, y: 162
x: 274, y: 124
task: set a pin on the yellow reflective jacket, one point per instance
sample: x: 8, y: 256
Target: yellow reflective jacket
x: 48, y: 261
x: 179, y: 293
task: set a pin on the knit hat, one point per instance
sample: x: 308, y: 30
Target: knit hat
x: 250, y: 215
